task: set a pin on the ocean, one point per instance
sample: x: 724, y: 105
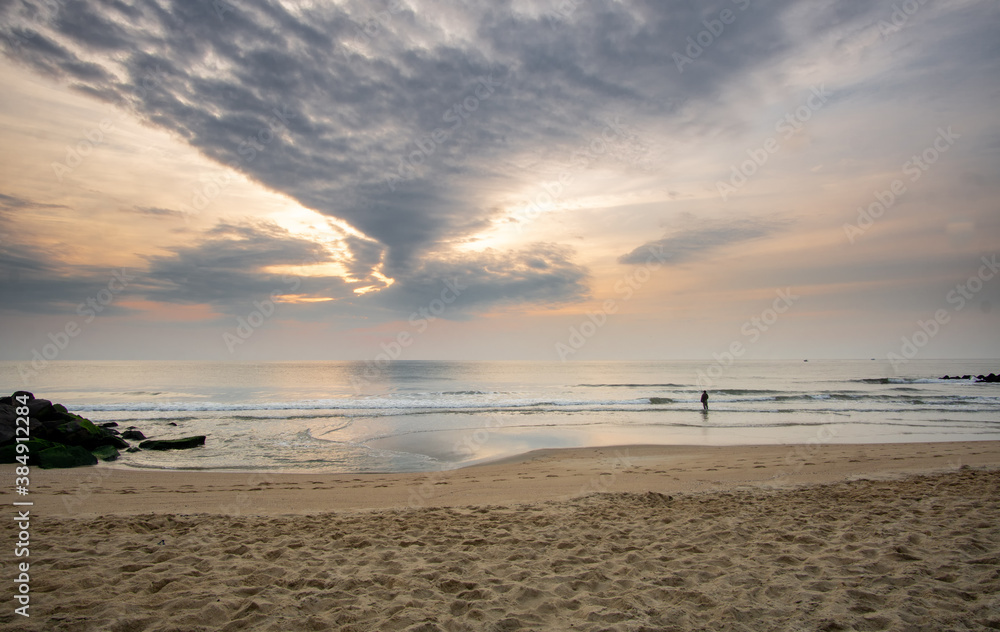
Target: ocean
x: 426, y: 416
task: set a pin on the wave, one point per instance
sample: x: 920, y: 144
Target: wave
x: 905, y: 380
x: 810, y: 403
x: 632, y: 386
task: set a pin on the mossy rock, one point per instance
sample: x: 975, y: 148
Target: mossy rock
x: 105, y: 453
x: 61, y: 456
x: 9, y: 454
x: 86, y: 424
x: 173, y: 444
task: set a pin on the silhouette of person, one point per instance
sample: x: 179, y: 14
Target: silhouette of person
x: 704, y: 399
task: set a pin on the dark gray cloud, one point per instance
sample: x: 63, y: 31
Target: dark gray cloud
x: 229, y: 266
x: 310, y: 105
x: 26, y: 272
x: 541, y: 274
x: 698, y: 241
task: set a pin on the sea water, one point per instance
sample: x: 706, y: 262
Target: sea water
x: 419, y: 416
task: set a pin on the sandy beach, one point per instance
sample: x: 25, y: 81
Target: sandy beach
x: 812, y: 537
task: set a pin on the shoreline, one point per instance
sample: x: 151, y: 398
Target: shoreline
x: 540, y: 475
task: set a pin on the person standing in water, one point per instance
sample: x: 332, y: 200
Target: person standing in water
x: 704, y: 399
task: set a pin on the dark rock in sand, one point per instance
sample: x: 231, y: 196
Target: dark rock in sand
x: 13, y: 401
x: 61, y: 456
x: 105, y: 453
x: 58, y: 438
x: 135, y: 435
x: 109, y: 424
x: 133, y: 450
x: 173, y: 444
x: 9, y: 453
x: 8, y: 421
x: 42, y: 409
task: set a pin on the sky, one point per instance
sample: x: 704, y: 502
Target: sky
x: 571, y: 180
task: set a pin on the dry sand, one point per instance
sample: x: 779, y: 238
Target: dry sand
x: 834, y: 537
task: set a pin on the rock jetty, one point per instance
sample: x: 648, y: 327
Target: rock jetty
x: 992, y: 377
x: 58, y: 438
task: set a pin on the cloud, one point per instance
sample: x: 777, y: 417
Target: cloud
x: 155, y: 211
x: 29, y: 276
x: 540, y: 275
x: 413, y: 122
x: 233, y: 263
x: 404, y: 130
x: 696, y: 242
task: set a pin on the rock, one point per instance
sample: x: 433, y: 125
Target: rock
x: 171, y: 424
x: 58, y: 438
x: 80, y: 432
x: 133, y: 450
x: 9, y: 453
x: 42, y: 409
x: 992, y: 377
x: 105, y: 453
x: 173, y: 444
x: 13, y: 401
x: 109, y: 424
x: 61, y: 456
x: 8, y: 423
x: 115, y: 442
x: 135, y: 435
